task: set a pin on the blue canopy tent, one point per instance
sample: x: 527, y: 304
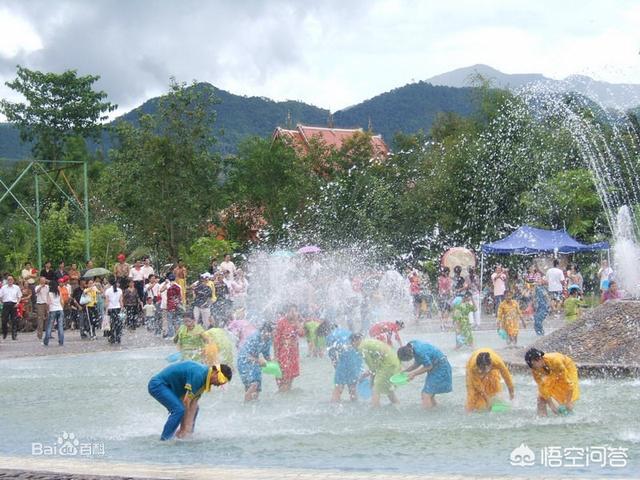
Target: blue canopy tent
x: 528, y: 240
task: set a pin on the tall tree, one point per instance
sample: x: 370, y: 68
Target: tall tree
x: 57, y: 107
x: 163, y: 180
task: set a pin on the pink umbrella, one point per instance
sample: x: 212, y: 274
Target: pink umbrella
x: 310, y: 249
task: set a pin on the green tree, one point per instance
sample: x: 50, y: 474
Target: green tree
x: 200, y: 253
x: 58, y: 106
x: 57, y: 230
x: 163, y: 180
x: 567, y: 199
x: 271, y: 176
x: 107, y: 240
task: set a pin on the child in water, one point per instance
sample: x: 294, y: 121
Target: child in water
x: 572, y: 304
x: 509, y: 317
x: 464, y: 334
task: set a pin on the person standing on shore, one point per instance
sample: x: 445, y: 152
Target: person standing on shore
x: 605, y: 274
x: 42, y: 305
x: 555, y: 279
x: 499, y: 280
x: 10, y: 295
x: 56, y: 314
x: 121, y: 271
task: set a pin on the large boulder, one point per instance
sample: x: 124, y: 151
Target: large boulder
x: 604, y: 342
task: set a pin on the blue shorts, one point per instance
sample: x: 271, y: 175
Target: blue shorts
x: 439, y: 379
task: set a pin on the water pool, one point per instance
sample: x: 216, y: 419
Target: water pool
x: 101, y: 398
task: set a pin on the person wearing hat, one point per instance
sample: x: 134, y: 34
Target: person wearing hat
x: 121, y: 271
x: 432, y: 361
x: 557, y: 377
x: 484, y: 369
x: 178, y: 388
x: 572, y: 304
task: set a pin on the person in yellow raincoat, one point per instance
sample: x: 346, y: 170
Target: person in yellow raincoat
x: 224, y: 347
x: 557, y: 378
x: 484, y: 369
x: 509, y: 317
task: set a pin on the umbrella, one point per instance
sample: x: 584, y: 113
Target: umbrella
x: 96, y: 272
x: 310, y: 249
x: 459, y: 256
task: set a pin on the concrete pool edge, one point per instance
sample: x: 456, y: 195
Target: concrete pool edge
x: 57, y: 468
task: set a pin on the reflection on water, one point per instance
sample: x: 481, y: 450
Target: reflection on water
x: 102, y: 397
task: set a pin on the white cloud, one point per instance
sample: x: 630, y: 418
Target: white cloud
x: 16, y: 35
x: 333, y: 53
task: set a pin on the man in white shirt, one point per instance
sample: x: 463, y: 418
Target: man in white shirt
x: 137, y: 275
x: 147, y: 269
x: 555, y: 277
x: 10, y: 295
x: 42, y: 299
x: 228, y: 266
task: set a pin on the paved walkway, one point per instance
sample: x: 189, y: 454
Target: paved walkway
x: 57, y: 469
x: 28, y: 345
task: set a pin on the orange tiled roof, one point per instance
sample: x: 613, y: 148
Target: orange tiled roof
x: 332, y: 137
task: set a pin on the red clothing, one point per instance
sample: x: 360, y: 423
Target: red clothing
x: 384, y: 331
x: 444, y: 285
x: 285, y: 346
x: 174, y: 297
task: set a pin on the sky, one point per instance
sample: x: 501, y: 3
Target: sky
x: 329, y: 53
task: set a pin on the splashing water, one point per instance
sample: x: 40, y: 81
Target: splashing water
x: 626, y: 253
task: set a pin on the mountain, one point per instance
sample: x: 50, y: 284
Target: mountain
x: 238, y: 117
x: 612, y: 95
x: 407, y: 109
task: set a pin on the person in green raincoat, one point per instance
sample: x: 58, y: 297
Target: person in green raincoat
x: 190, y: 339
x: 382, y: 363
x: 464, y: 334
x: 315, y: 343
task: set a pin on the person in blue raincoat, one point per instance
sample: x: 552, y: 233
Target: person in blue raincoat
x: 253, y: 354
x: 427, y: 359
x: 346, y: 360
x: 178, y: 388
